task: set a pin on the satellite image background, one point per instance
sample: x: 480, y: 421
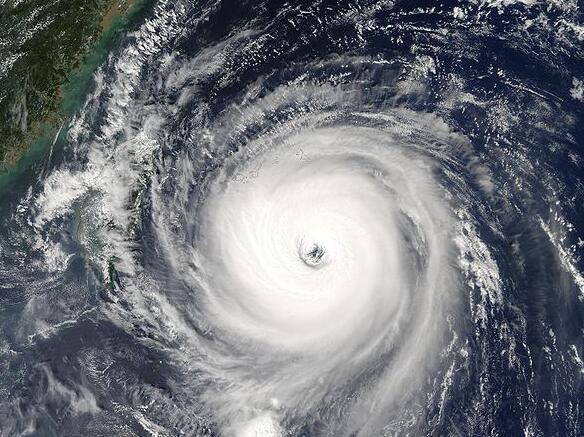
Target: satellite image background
x: 268, y: 218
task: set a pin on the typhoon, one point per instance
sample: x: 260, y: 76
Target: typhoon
x: 360, y: 218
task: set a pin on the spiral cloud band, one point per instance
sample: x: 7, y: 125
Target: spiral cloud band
x: 313, y: 233
x: 320, y: 249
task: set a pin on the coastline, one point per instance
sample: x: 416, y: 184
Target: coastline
x: 47, y: 134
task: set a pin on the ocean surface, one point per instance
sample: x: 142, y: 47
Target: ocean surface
x: 312, y: 218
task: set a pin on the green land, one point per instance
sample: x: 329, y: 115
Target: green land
x: 52, y: 49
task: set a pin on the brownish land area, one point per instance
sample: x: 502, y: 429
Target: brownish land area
x: 32, y: 98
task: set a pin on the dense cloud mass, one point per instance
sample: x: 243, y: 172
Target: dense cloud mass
x: 322, y: 219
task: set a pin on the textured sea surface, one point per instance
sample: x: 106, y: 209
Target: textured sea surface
x: 349, y: 218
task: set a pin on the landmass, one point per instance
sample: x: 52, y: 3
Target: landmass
x: 48, y: 51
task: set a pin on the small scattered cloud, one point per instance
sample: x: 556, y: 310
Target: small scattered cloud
x: 577, y: 91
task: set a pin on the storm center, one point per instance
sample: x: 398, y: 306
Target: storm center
x: 313, y: 255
